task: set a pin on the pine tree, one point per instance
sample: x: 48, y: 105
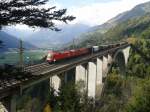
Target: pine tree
x: 31, y: 13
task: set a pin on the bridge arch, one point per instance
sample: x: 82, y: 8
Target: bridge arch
x: 120, y: 61
x: 120, y: 58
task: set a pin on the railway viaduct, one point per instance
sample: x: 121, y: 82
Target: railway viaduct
x: 90, y: 71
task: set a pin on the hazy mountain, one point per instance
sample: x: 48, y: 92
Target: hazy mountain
x: 19, y: 33
x: 10, y: 41
x: 47, y: 38
x: 137, y: 11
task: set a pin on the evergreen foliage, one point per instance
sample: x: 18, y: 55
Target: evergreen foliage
x: 31, y: 13
x: 69, y: 99
x: 140, y: 101
x: 139, y: 61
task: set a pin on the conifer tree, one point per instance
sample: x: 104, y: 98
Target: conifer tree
x: 31, y: 13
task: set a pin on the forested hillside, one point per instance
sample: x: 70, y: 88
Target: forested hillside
x: 138, y: 27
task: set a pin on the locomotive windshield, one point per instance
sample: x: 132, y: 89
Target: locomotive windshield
x: 49, y: 55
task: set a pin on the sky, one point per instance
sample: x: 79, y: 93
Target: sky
x: 91, y: 12
x: 95, y: 12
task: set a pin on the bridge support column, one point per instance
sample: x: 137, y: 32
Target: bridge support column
x: 55, y: 82
x: 126, y: 53
x: 2, y: 108
x: 105, y: 66
x: 81, y: 77
x: 13, y: 104
x: 99, y: 77
x: 109, y: 59
x: 91, y: 79
x: 9, y: 104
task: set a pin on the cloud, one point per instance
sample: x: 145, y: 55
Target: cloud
x: 98, y: 13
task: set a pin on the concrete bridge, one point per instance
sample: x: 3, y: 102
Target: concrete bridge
x: 90, y: 70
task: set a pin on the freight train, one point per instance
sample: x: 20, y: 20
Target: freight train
x: 53, y: 56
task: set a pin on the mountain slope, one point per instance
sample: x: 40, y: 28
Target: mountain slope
x: 10, y: 41
x: 137, y: 11
x: 138, y: 28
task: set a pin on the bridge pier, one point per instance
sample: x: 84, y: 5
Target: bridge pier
x: 99, y: 77
x: 13, y: 105
x: 110, y: 59
x: 9, y: 104
x: 126, y: 53
x: 81, y: 73
x: 81, y: 77
x: 55, y: 82
x: 105, y: 66
x: 2, y: 108
x: 91, y: 79
x: 58, y: 80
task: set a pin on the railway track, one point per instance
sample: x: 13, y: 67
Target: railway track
x: 37, y: 67
x: 9, y: 81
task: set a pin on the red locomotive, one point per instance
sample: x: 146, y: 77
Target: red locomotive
x: 56, y: 56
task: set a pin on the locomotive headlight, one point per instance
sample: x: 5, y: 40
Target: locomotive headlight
x: 49, y: 55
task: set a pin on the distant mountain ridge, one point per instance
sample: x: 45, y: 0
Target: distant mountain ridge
x: 47, y: 38
x: 10, y: 41
x: 18, y: 33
